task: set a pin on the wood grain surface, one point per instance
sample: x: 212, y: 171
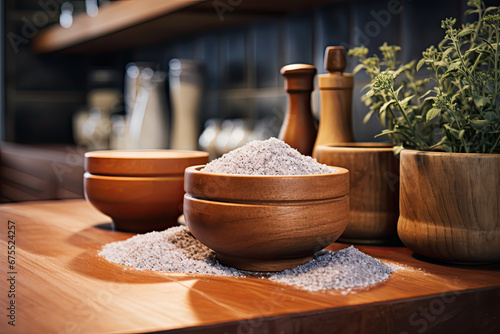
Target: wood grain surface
x: 298, y: 129
x: 142, y: 162
x: 450, y: 205
x: 373, y: 189
x: 335, y: 89
x: 62, y: 286
x: 266, y: 222
x: 270, y: 237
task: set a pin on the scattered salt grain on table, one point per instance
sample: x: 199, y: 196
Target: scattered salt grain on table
x: 266, y: 157
x: 172, y: 250
x: 176, y: 250
x: 346, y: 268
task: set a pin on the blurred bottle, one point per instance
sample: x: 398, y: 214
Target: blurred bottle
x: 239, y: 135
x: 92, y: 124
x: 207, y: 138
x: 222, y: 140
x: 96, y: 130
x: 119, y: 138
x: 186, y: 82
x: 149, y: 120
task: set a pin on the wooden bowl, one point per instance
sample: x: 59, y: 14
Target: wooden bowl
x: 142, y: 162
x: 266, y: 223
x: 374, y: 189
x: 140, y: 190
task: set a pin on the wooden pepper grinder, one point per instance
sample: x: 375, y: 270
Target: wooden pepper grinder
x: 336, y: 100
x: 298, y: 129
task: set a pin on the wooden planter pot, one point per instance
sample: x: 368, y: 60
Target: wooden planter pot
x: 450, y: 205
x: 374, y: 188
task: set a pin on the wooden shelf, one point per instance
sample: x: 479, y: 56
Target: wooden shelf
x: 63, y: 285
x: 126, y: 24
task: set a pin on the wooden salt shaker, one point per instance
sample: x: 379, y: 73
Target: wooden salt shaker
x: 298, y: 129
x: 336, y: 100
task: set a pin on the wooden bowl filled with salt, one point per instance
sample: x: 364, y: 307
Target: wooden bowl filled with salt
x: 266, y: 207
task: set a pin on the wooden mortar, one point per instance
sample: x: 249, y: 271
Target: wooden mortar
x: 374, y: 189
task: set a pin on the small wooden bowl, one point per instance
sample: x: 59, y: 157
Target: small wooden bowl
x: 142, y: 162
x: 140, y: 190
x: 266, y: 223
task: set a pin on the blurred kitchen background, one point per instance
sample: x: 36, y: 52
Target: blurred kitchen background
x: 88, y: 74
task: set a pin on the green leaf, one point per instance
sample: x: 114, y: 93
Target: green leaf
x: 439, y: 143
x: 421, y: 63
x: 424, y: 95
x: 440, y: 63
x: 454, y: 66
x: 470, y: 11
x: 398, y: 90
x: 405, y: 101
x: 479, y: 124
x: 368, y: 85
x: 461, y: 134
x: 433, y: 113
x: 368, y: 116
x: 481, y: 101
x: 388, y: 103
x: 430, y: 98
x: 474, y: 49
x: 397, y: 149
x: 454, y: 132
x: 465, y: 32
x: 491, y: 116
x: 446, y: 148
x: 358, y: 68
x: 447, y: 52
x: 369, y: 94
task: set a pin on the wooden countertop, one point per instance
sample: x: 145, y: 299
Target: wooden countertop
x: 62, y: 286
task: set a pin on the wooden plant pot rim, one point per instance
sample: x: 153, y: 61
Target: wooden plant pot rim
x: 452, y: 154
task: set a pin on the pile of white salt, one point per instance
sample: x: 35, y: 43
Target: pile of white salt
x: 266, y: 157
x: 176, y: 250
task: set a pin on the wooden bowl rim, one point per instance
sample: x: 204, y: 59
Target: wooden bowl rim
x: 160, y: 162
x: 90, y: 176
x: 265, y: 188
x: 145, y: 154
x: 196, y: 169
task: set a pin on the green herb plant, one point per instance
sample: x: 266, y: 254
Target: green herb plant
x: 460, y: 112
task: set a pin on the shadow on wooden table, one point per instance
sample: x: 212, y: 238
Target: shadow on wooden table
x: 90, y: 264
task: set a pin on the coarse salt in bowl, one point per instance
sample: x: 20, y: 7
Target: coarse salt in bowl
x: 266, y: 222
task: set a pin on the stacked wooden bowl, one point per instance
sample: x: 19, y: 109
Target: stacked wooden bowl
x: 141, y: 190
x: 266, y: 223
